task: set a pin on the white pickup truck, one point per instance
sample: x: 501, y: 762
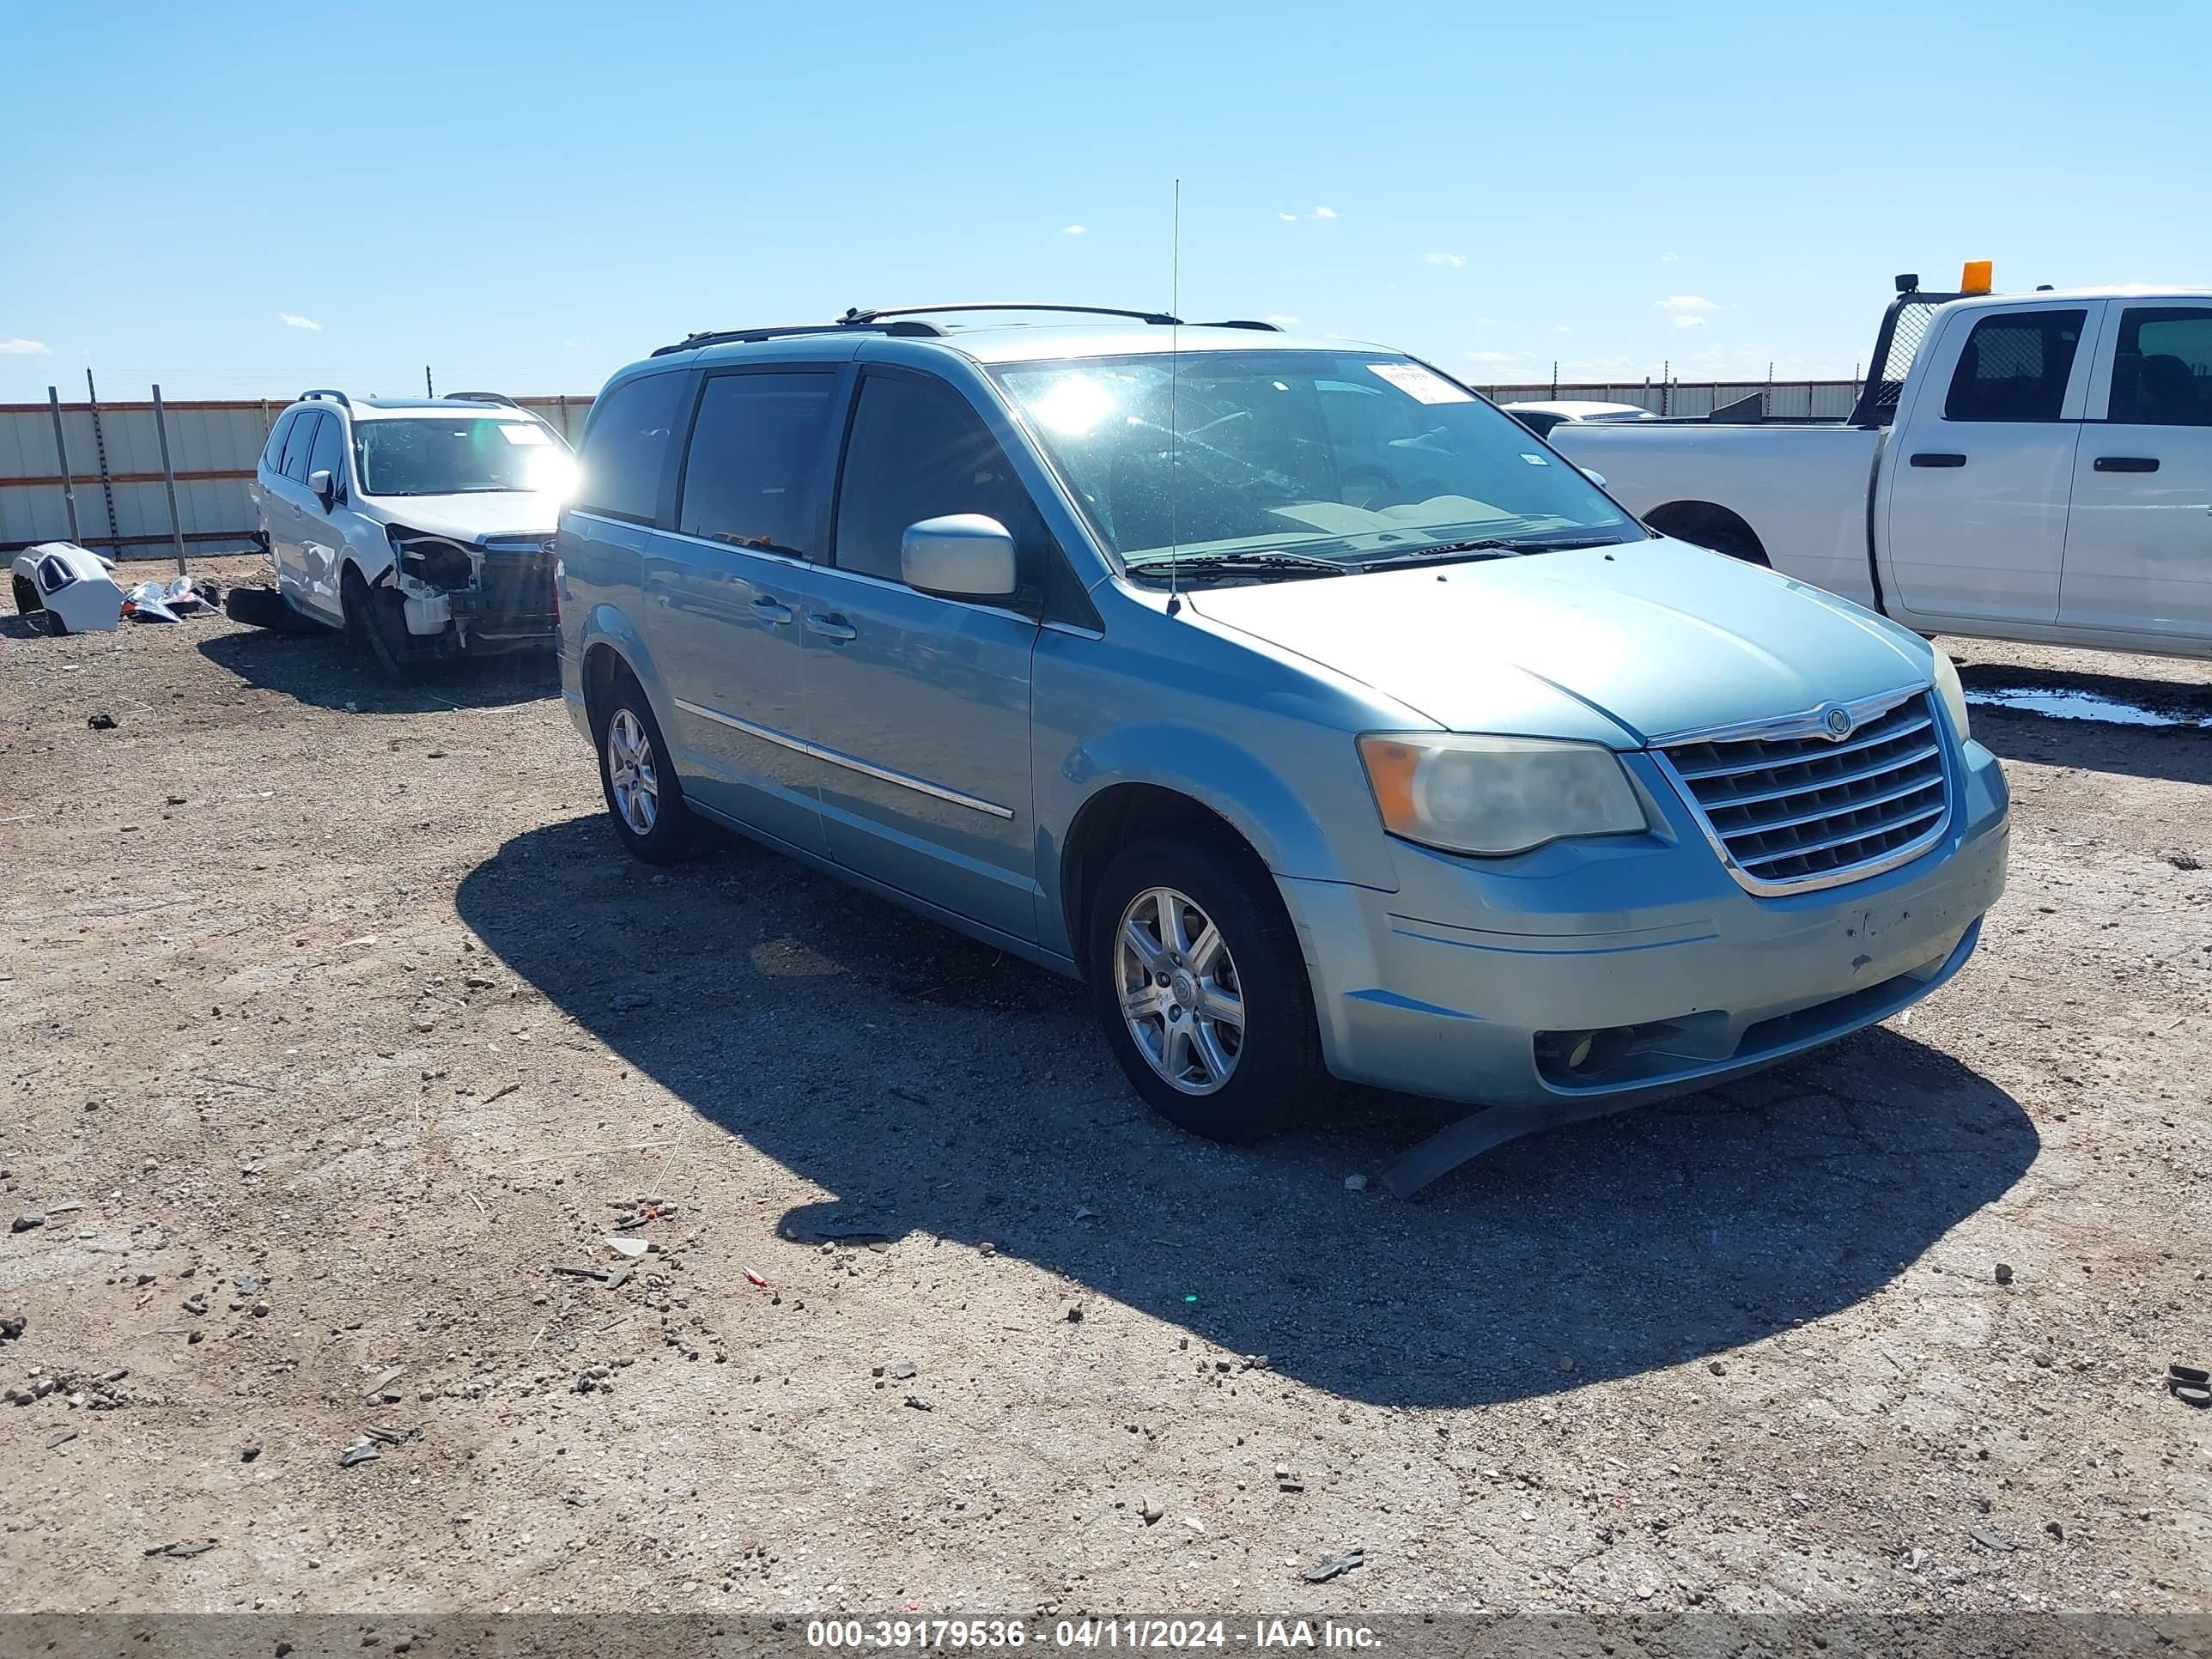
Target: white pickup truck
x: 2022, y: 466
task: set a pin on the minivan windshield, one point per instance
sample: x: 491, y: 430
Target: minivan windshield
x: 459, y: 456
x: 1349, y: 458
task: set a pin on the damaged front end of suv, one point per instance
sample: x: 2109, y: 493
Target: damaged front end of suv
x: 444, y: 595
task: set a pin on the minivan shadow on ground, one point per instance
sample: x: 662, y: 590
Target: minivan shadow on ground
x: 937, y: 1087
x: 322, y: 669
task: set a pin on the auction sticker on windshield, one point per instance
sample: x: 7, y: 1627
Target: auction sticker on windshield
x: 515, y: 431
x: 1423, y: 386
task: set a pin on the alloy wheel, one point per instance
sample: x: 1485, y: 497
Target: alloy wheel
x: 1179, y: 990
x: 632, y: 778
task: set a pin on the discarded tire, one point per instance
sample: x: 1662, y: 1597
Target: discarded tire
x: 257, y: 607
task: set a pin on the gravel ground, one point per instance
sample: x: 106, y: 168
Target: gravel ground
x: 340, y: 1023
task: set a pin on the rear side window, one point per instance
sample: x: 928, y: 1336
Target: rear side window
x: 919, y: 451
x: 296, y: 444
x: 328, y: 454
x: 2162, y: 373
x: 272, y: 456
x: 626, y: 445
x: 2015, y: 367
x: 756, y: 448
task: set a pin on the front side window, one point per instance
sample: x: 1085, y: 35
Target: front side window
x: 328, y: 453
x: 458, y: 455
x: 756, y: 446
x: 2162, y: 372
x: 1346, y: 457
x: 918, y: 449
x: 626, y: 447
x: 299, y: 440
x: 2015, y: 367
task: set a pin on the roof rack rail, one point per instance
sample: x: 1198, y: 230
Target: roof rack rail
x: 325, y: 391
x: 1242, y: 322
x: 481, y: 398
x: 725, y: 336
x: 857, y: 317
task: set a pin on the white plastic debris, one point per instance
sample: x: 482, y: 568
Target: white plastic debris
x: 68, y: 588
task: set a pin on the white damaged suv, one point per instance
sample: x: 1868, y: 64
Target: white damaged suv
x: 423, y: 527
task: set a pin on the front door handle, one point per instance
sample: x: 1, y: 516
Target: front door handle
x: 768, y: 610
x: 2126, y: 463
x: 1925, y: 457
x: 831, y: 626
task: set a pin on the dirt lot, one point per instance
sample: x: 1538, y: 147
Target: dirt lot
x: 338, y: 1021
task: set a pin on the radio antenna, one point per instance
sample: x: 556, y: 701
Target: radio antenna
x: 1175, y: 375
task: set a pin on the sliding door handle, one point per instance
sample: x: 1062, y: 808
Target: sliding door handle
x: 1925, y: 457
x: 773, y: 611
x: 831, y: 626
x: 2126, y: 463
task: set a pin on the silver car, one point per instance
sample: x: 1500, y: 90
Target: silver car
x: 1318, y: 715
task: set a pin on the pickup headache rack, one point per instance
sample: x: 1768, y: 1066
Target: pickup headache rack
x: 1904, y: 325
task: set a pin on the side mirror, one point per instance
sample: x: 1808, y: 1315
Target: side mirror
x: 324, y: 486
x: 1598, y: 478
x: 962, y: 555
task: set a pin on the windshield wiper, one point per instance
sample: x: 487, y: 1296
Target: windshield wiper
x: 1241, y: 564
x: 1443, y: 550
x: 1446, y: 551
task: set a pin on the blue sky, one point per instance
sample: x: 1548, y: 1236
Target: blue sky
x: 241, y: 201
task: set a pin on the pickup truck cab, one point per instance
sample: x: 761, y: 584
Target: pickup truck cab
x: 1302, y: 703
x: 2023, y: 466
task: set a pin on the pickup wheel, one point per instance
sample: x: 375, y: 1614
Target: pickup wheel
x: 644, y: 797
x: 1197, y: 977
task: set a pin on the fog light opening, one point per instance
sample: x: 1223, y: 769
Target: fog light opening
x: 1584, y: 1054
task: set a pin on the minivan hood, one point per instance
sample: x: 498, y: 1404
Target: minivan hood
x: 1657, y: 636
x: 474, y: 512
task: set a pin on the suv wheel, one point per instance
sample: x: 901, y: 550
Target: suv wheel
x: 365, y: 628
x: 1199, y: 981
x: 644, y: 797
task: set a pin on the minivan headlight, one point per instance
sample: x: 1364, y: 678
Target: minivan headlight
x: 1492, y: 796
x: 1953, y: 693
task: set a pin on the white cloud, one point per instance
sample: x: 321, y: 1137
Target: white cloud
x: 1288, y: 218
x: 1072, y: 230
x: 1689, y: 322
x: 1670, y: 258
x: 14, y: 348
x: 1281, y: 321
x: 1324, y: 213
x: 1681, y: 302
x: 290, y: 321
x: 1561, y: 328
x: 1455, y: 261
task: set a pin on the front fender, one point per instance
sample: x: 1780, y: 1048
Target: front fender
x: 1326, y: 834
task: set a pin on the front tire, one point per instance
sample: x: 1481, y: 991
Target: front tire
x: 1197, y: 977
x: 366, y: 629
x: 643, y: 795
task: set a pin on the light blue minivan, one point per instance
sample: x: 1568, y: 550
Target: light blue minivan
x: 1318, y: 715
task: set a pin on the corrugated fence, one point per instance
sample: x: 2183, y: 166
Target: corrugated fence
x: 110, y: 456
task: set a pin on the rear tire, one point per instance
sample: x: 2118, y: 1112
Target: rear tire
x: 644, y: 797
x: 1204, y: 917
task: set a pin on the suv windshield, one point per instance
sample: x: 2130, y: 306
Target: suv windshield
x: 1350, y: 458
x: 459, y: 456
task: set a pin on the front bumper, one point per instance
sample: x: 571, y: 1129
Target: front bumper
x: 1472, y: 981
